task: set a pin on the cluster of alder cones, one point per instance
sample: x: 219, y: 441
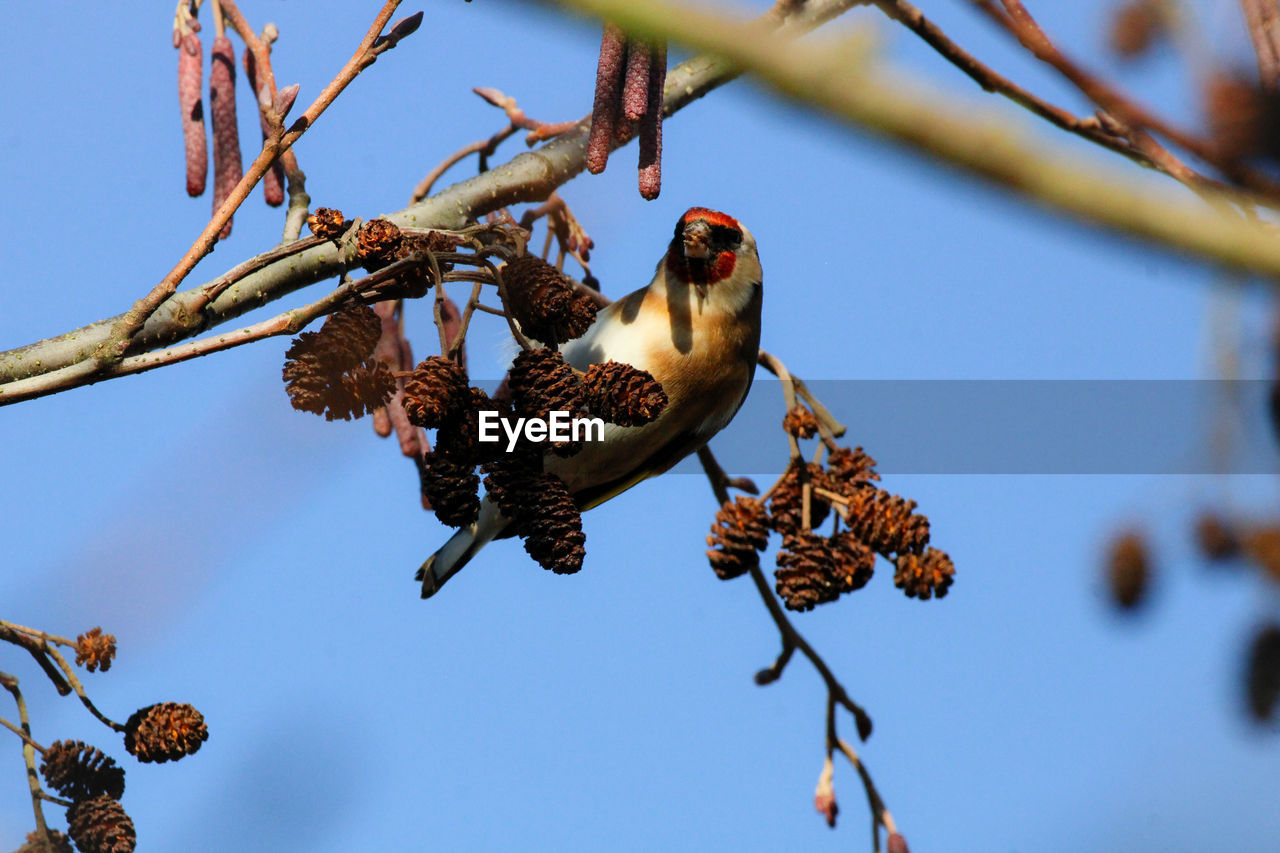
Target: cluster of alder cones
x: 92, y: 780
x: 815, y: 569
x: 332, y: 372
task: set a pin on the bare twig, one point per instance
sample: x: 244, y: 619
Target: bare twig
x: 29, y: 746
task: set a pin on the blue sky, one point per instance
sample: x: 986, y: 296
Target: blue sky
x: 257, y: 562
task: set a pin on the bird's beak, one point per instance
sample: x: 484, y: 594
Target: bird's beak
x: 697, y: 236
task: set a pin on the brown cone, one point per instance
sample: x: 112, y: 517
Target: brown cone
x: 377, y: 241
x: 100, y: 825
x: 95, y: 650
x: 543, y: 301
x: 451, y: 488
x: 800, y: 422
x: 787, y: 504
x: 848, y: 468
x: 739, y: 533
x: 332, y: 372
x: 887, y: 522
x: 434, y: 392
x: 924, y: 575
x: 79, y: 771
x: 622, y: 394
x: 326, y: 223
x: 552, y: 528
x: 165, y: 731
x: 542, y: 382
x: 853, y: 561
x: 806, y: 571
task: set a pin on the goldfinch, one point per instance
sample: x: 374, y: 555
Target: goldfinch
x: 696, y: 328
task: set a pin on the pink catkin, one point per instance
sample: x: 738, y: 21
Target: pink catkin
x: 604, y: 112
x: 273, y: 180
x: 227, y: 166
x: 190, y: 79
x: 635, y: 91
x: 651, y: 126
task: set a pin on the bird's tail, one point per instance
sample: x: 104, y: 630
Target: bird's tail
x: 461, y: 547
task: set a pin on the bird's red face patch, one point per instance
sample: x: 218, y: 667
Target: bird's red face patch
x: 704, y: 248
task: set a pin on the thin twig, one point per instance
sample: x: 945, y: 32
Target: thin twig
x: 10, y: 683
x: 483, y: 147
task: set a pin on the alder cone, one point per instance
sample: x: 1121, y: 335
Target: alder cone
x: 451, y: 488
x: 544, y: 302
x: 95, y: 650
x: 326, y: 223
x: 924, y: 575
x: 100, y: 825
x: 552, y: 528
x: 800, y: 422
x: 888, y: 522
x: 853, y: 561
x: 79, y: 771
x: 622, y: 394
x: 806, y: 571
x: 166, y: 731
x: 434, y: 391
x: 848, y: 469
x: 786, y: 507
x: 377, y: 241
x: 738, y: 535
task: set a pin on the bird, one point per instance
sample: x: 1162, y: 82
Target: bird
x: 696, y: 328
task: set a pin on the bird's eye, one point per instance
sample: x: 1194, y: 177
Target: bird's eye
x: 723, y: 235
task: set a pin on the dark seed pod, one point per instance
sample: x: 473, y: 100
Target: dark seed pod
x: 95, y: 650
x: 100, y: 825
x: 806, y: 571
x: 543, y: 301
x: 737, y: 537
x: 79, y: 771
x: 887, y: 522
x: 377, y: 241
x: 451, y: 488
x: 924, y: 575
x: 800, y: 422
x: 786, y: 507
x: 163, y: 732
x: 434, y: 391
x: 326, y: 223
x: 622, y: 394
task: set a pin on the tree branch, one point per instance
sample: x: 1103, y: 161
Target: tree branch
x: 69, y: 360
